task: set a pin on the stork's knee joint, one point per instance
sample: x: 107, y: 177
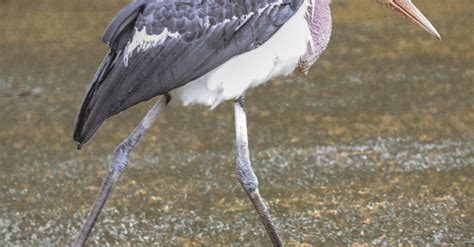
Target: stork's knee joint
x: 248, y: 180
x: 120, y: 158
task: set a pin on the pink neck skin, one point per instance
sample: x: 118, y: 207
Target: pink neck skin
x: 318, y: 17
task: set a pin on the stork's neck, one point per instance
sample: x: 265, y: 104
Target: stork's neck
x: 318, y: 17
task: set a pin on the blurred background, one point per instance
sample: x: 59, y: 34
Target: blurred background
x: 375, y: 146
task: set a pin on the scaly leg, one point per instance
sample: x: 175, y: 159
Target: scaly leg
x: 245, y: 172
x: 117, y: 165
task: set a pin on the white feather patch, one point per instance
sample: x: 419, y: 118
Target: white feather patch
x: 143, y: 41
x: 278, y: 56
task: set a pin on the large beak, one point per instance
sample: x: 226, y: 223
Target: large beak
x: 408, y: 9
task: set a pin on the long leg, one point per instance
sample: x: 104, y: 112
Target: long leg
x: 245, y: 172
x: 117, y: 165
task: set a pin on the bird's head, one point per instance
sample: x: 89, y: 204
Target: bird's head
x: 409, y: 10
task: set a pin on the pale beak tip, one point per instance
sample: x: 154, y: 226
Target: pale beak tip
x: 409, y: 10
x: 432, y: 30
x: 436, y: 34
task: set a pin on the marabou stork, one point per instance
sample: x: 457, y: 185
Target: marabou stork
x: 205, y: 52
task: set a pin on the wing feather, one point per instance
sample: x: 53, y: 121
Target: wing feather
x: 170, y: 44
x: 125, y: 18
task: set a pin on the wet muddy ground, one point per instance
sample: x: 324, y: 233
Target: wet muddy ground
x: 375, y: 146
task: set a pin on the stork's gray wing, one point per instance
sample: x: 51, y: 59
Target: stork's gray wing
x: 157, y: 46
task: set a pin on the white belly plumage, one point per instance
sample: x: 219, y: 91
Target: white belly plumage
x: 279, y: 56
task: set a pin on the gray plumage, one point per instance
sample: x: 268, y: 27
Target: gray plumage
x: 210, y: 33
